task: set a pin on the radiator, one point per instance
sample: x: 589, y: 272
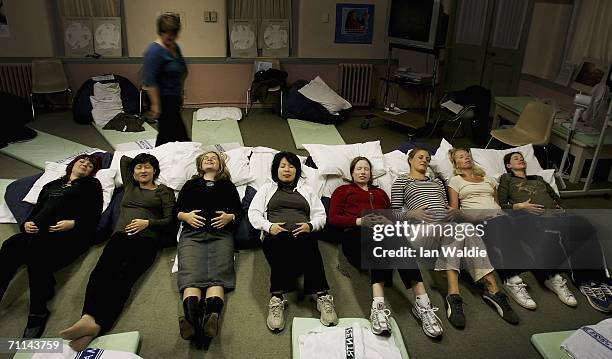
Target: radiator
x: 16, y: 79
x: 355, y: 83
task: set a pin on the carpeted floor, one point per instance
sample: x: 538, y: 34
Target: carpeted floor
x: 152, y: 309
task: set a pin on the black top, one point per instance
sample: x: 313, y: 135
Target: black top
x: 209, y: 197
x: 80, y: 201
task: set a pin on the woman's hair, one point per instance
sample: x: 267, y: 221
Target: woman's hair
x: 168, y: 23
x: 95, y: 160
x: 475, y: 168
x: 414, y: 151
x: 354, y: 163
x: 292, y: 158
x: 222, y: 174
x: 507, y: 158
x: 143, y: 158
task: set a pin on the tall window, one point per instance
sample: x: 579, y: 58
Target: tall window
x: 592, y: 35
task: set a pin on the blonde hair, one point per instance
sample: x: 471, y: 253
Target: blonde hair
x: 222, y: 173
x: 475, y: 168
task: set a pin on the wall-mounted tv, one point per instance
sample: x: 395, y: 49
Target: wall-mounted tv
x: 416, y: 23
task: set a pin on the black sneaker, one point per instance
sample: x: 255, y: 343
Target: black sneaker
x: 454, y: 310
x: 499, y: 302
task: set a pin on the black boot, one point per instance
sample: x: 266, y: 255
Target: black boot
x: 190, y: 326
x: 210, y: 319
x: 36, y: 325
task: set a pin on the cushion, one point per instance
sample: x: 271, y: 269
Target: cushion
x: 441, y: 163
x: 260, y: 163
x: 318, y: 91
x: 218, y: 113
x: 54, y: 171
x: 492, y: 161
x: 238, y: 164
x: 338, y: 163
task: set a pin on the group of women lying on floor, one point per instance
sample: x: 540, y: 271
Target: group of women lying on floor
x: 286, y: 211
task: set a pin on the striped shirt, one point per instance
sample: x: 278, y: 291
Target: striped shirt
x: 409, y: 194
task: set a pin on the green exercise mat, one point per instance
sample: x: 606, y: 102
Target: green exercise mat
x: 42, y: 148
x: 549, y: 344
x: 115, y: 138
x: 215, y: 132
x: 305, y: 132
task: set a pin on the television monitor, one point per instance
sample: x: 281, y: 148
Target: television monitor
x: 416, y: 23
x: 590, y: 73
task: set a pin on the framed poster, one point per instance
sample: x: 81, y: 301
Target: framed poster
x: 275, y: 37
x: 78, y: 37
x: 243, y: 38
x: 107, y: 36
x: 4, y: 26
x: 354, y: 23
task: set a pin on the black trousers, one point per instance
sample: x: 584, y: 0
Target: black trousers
x: 559, y: 244
x: 352, y: 249
x: 170, y: 124
x: 290, y: 257
x: 44, y: 254
x: 124, y: 259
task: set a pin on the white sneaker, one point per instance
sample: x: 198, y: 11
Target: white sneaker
x: 558, y: 285
x: 518, y: 291
x: 379, y: 319
x: 325, y: 305
x: 276, y: 314
x: 432, y: 326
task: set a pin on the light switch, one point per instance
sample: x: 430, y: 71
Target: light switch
x: 206, y: 16
x: 213, y: 16
x: 324, y: 17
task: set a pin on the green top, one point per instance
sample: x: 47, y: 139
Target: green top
x: 156, y: 205
x: 513, y: 189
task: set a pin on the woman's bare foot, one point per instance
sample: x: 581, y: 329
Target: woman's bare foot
x: 81, y: 333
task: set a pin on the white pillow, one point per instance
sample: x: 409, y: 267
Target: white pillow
x: 218, y: 114
x: 259, y: 166
x: 336, y: 160
x: 318, y: 91
x: 238, y: 163
x: 330, y: 185
x: 54, y: 171
x: 492, y: 161
x: 313, y: 179
x: 441, y: 163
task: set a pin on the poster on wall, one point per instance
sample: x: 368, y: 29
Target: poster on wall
x: 275, y: 34
x: 4, y: 26
x: 354, y: 23
x: 243, y: 38
x: 78, y: 37
x: 107, y: 36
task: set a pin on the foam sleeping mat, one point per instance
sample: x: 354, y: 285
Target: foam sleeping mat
x: 115, y: 138
x: 214, y: 132
x: 310, y: 132
x: 42, y: 148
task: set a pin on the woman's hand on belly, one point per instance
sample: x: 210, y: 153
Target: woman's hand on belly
x: 276, y: 228
x: 62, y: 226
x: 136, y: 225
x: 301, y: 228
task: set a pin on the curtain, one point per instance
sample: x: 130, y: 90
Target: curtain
x: 89, y: 8
x: 593, y: 32
x: 261, y: 9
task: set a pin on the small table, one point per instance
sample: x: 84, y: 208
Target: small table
x: 582, y: 146
x: 409, y: 119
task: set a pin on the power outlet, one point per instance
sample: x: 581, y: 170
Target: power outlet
x: 206, y: 16
x: 213, y: 16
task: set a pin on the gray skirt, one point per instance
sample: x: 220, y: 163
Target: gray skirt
x: 205, y: 259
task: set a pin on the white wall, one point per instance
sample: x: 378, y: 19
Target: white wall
x: 30, y: 30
